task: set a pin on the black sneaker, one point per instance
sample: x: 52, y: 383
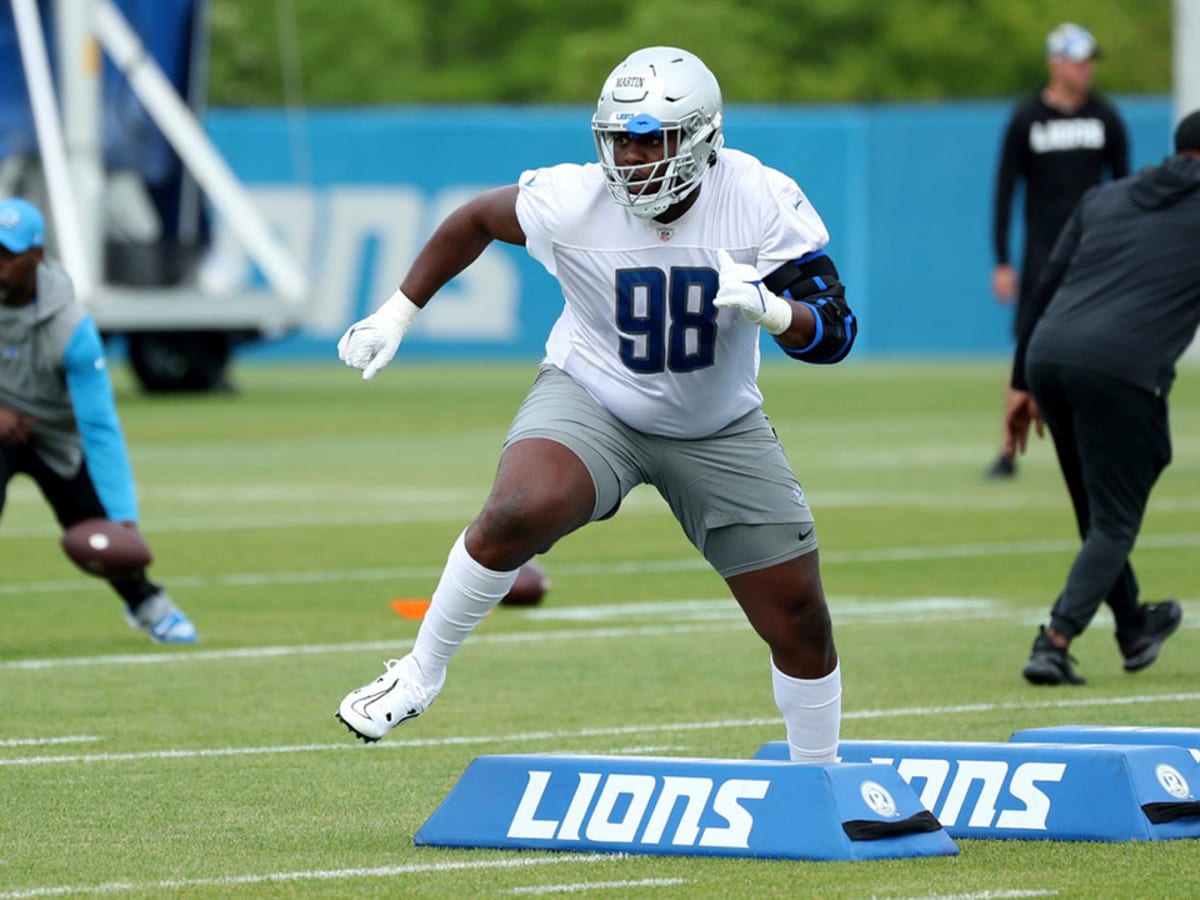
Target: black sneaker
x: 1161, y: 621
x: 1003, y: 467
x: 1049, y: 664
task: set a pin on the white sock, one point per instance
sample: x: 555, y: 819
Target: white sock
x: 812, y: 712
x: 465, y: 594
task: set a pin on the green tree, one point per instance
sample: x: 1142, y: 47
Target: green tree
x: 366, y: 52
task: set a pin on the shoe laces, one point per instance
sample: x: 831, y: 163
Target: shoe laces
x: 1064, y: 652
x: 1045, y: 644
x: 411, y: 680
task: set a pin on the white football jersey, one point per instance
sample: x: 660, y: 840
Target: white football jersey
x: 639, y: 330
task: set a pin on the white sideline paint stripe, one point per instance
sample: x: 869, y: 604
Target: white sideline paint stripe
x: 846, y: 606
x: 38, y: 742
x: 734, y: 621
x: 411, y: 505
x: 390, y: 512
x: 406, y: 513
x: 387, y: 647
x: 965, y: 551
x: 287, y: 493
x: 400, y: 513
x: 897, y: 614
x: 643, y: 750
x: 561, y: 735
x: 697, y: 563
x: 120, y: 887
x: 987, y: 895
x: 306, y: 494
x: 872, y: 609
x: 580, y: 887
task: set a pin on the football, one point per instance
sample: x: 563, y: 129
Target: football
x: 529, y: 588
x: 105, y: 548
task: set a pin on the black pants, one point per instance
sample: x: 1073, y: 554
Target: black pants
x: 73, y: 500
x: 1113, y: 441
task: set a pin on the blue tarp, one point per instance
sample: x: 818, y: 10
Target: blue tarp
x: 131, y: 139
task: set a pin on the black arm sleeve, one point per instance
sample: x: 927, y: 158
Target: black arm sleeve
x: 1047, y: 283
x: 1117, y: 146
x: 1006, y: 183
x: 814, y: 282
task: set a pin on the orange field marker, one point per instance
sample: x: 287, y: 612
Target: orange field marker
x: 411, y: 609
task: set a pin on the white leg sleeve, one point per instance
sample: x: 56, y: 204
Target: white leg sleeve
x: 464, y: 595
x: 812, y: 712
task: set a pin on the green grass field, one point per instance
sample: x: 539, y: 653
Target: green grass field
x: 286, y: 518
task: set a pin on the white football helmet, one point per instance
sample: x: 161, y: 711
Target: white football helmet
x: 659, y: 89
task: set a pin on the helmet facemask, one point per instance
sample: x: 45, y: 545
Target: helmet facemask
x: 664, y: 90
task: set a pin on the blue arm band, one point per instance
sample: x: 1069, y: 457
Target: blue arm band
x: 818, y: 336
x: 836, y: 329
x: 813, y: 281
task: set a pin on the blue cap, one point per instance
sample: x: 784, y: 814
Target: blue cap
x: 21, y: 225
x: 1073, y: 42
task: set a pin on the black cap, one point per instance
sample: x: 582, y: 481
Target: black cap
x: 1187, y: 134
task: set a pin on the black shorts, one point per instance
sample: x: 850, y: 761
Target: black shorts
x: 73, y: 499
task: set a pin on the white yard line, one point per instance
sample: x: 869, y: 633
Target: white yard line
x: 175, y: 509
x: 392, y: 647
x: 120, y: 887
x: 704, y: 616
x: 43, y: 742
x: 402, y: 514
x: 580, y: 887
x: 692, y: 563
x: 698, y: 616
x: 575, y: 734
x: 703, y: 608
x: 983, y: 895
x: 693, y: 617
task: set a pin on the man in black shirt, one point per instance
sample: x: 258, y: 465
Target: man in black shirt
x: 1059, y: 142
x: 1117, y: 304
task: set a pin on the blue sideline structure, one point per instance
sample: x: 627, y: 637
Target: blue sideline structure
x: 1046, y: 791
x: 688, y: 807
x: 1154, y: 736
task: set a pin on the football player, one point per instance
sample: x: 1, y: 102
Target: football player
x: 58, y: 420
x: 672, y: 252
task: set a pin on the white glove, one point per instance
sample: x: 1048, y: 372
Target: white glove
x: 371, y: 343
x: 742, y: 288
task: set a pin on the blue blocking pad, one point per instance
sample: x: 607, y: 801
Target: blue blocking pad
x: 1049, y: 791
x: 689, y: 807
x: 1188, y: 738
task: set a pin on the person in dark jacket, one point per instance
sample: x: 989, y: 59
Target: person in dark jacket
x: 1059, y: 142
x: 1115, y: 308
x: 58, y: 420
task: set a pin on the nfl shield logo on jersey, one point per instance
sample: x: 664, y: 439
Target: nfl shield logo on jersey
x: 665, y: 234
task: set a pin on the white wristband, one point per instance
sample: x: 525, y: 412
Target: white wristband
x: 399, y: 311
x: 777, y: 317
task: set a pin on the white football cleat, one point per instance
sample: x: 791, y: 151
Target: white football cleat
x: 401, y: 693
x: 165, y: 622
